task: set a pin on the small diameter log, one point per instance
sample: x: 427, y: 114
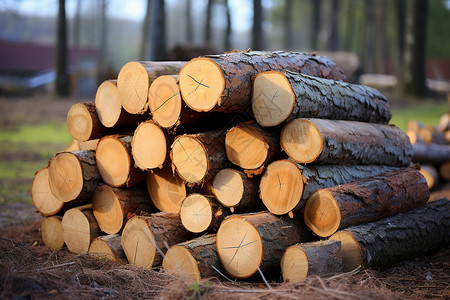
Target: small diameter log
x: 251, y: 147
x: 444, y: 123
x: 434, y: 154
x: 331, y: 209
x: 248, y: 242
x: 115, y: 161
x: 79, y: 145
x: 444, y: 171
x: 52, y: 232
x: 150, y: 145
x: 134, y: 80
x: 194, y: 260
x: 430, y: 134
x: 314, y: 258
x: 200, y: 213
x: 83, y: 123
x: 223, y: 82
x: 164, y: 101
x: 109, y: 107
x: 73, y: 176
x: 113, y: 207
x: 144, y: 238
x: 431, y: 175
x: 79, y: 228
x: 234, y: 189
x: 386, y: 242
x: 414, y: 137
x: 414, y: 125
x: 41, y: 195
x: 345, y: 142
x: 447, y: 136
x: 107, y: 247
x: 197, y: 158
x: 283, y: 96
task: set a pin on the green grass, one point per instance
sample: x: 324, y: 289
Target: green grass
x: 427, y: 113
x: 32, y: 134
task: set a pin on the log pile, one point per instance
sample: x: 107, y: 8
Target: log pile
x: 186, y: 178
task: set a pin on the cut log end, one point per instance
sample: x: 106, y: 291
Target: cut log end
x: 107, y: 103
x: 201, y: 84
x: 65, y: 176
x: 431, y: 175
x: 294, y: 264
x: 79, y: 122
x: 322, y: 214
x: 147, y: 136
x: 107, y: 210
x: 301, y: 140
x: 113, y: 161
x: 350, y: 249
x: 179, y: 261
x: 273, y: 98
x: 107, y: 247
x: 138, y: 243
x: 133, y: 85
x: 167, y: 190
x: 77, y: 230
x: 228, y: 187
x: 196, y: 213
x: 240, y: 247
x: 41, y: 195
x: 281, y: 187
x: 189, y: 158
x: 165, y: 101
x: 444, y: 171
x: 52, y: 232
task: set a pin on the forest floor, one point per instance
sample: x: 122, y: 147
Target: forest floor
x: 33, y: 129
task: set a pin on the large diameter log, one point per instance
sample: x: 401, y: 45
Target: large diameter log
x: 345, y: 142
x: 248, y: 242
x: 434, y: 154
x: 134, y: 80
x: 115, y: 161
x: 83, y: 122
x: 234, y: 189
x: 73, y: 176
x: 109, y: 107
x: 79, y: 228
x: 331, y: 209
x: 41, y: 195
x: 107, y: 247
x: 52, y: 232
x: 197, y: 158
x: 113, y: 207
x: 314, y: 258
x: 251, y: 147
x: 386, y: 242
x: 223, y: 82
x: 283, y: 96
x: 144, y: 238
x: 194, y: 260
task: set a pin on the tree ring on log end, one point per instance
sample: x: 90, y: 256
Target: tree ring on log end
x: 301, y: 140
x: 65, y: 176
x: 273, y: 98
x: 166, y: 189
x: 190, y: 158
x: 52, y: 235
x: 239, y: 246
x: 100, y: 249
x: 179, y: 261
x: 138, y: 243
x: 79, y: 122
x: 281, y: 187
x: 76, y: 231
x: 294, y: 264
x: 107, y: 209
x: 228, y: 187
x: 350, y: 250
x: 164, y: 101
x: 196, y: 213
x: 201, y: 84
x: 149, y: 146
x: 113, y: 161
x: 133, y: 84
x: 41, y: 196
x: 322, y: 214
x: 108, y: 104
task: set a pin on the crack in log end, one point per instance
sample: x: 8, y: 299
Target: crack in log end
x: 165, y: 101
x: 199, y: 83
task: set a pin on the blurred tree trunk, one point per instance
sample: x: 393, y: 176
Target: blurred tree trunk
x: 208, y: 22
x: 189, y: 32
x: 258, y: 42
x: 228, y: 29
x: 158, y: 37
x: 76, y: 25
x: 62, y: 77
x: 400, y: 7
x: 146, y: 27
x: 382, y: 63
x: 315, y: 23
x: 349, y: 34
x: 333, y: 41
x: 369, y: 36
x: 103, y: 61
x: 288, y: 36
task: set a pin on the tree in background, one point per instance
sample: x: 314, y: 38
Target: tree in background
x: 189, y: 32
x: 146, y: 27
x: 368, y: 46
x: 207, y: 37
x: 77, y: 25
x: 382, y: 57
x: 103, y: 55
x: 315, y: 23
x: 227, y: 42
x: 62, y: 77
x: 333, y: 39
x: 288, y: 36
x: 158, y: 36
x: 258, y: 42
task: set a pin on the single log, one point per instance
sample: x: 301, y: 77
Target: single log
x: 234, y: 189
x: 433, y: 154
x: 164, y: 101
x: 150, y: 145
x: 345, y: 142
x: 73, y: 176
x: 248, y: 242
x: 223, y: 82
x: 134, y: 80
x: 197, y: 158
x: 384, y: 243
x: 79, y: 228
x: 109, y: 107
x: 194, y: 260
x: 200, y: 213
x: 285, y: 185
x: 83, y: 122
x: 431, y: 175
x: 52, y: 232
x: 414, y: 137
x: 113, y: 207
x: 251, y: 147
x: 145, y: 237
x: 444, y: 122
x: 107, y: 247
x: 334, y: 208
x: 444, y: 171
x: 283, y: 96
x: 314, y: 258
x: 115, y: 161
x: 41, y: 195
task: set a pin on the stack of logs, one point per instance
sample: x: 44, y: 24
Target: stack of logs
x: 244, y: 163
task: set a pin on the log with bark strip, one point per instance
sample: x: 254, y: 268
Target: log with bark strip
x: 223, y: 82
x: 248, y: 242
x: 52, y: 232
x: 107, y: 247
x: 79, y: 145
x: 386, y: 242
x: 135, y: 78
x: 144, y: 238
x: 345, y: 142
x: 434, y: 154
x: 366, y: 200
x: 282, y: 96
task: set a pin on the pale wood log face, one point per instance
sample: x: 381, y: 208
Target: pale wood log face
x: 294, y: 264
x: 79, y: 122
x: 322, y: 213
x: 165, y: 101
x: 190, y: 159
x: 167, y: 190
x: 138, y: 243
x: 148, y: 136
x: 42, y: 198
x: 179, y: 261
x: 196, y: 213
x: 76, y: 231
x: 113, y: 161
x: 52, y: 232
x: 107, y: 210
x: 351, y: 251
x: 66, y: 177
x: 133, y: 84
x: 301, y: 140
x: 228, y: 187
x: 107, y: 103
